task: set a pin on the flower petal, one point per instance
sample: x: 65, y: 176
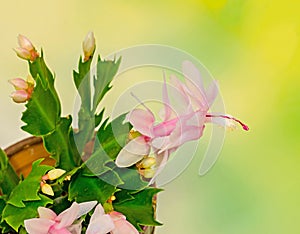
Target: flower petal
x: 191, y: 72
x: 68, y: 216
x: 133, y: 152
x: 142, y: 121
x: 85, y: 207
x: 46, y: 213
x: 212, y: 92
x: 75, y: 228
x: 100, y: 223
x: 38, y: 225
x: 122, y: 226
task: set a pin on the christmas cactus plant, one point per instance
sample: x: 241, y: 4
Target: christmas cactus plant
x: 103, y: 180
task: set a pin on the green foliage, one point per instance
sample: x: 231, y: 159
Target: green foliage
x: 8, y: 178
x: 88, y: 119
x: 15, y: 216
x: 60, y: 144
x: 85, y: 188
x: 138, y: 211
x: 43, y: 111
x: 106, y: 70
x: 43, y: 108
x: 114, y: 136
x: 27, y: 190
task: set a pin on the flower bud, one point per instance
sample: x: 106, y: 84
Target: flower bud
x: 25, y: 43
x: 26, y: 50
x: 54, y: 174
x: 88, y: 46
x: 20, y: 96
x: 148, y: 173
x: 47, y: 189
x: 147, y: 162
x: 19, y: 83
x: 23, y: 53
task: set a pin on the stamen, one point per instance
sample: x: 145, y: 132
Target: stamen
x: 244, y: 126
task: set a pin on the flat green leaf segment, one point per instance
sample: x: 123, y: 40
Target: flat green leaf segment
x: 25, y: 199
x: 106, y: 71
x: 88, y: 119
x: 8, y: 178
x: 15, y: 216
x: 60, y: 144
x: 27, y: 190
x: 137, y: 207
x: 110, y: 139
x: 86, y: 188
x: 43, y: 108
x: 42, y: 118
x: 113, y: 136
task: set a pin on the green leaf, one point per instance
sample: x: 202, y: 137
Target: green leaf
x: 83, y: 188
x: 139, y: 211
x: 85, y: 116
x: 106, y: 70
x: 43, y: 111
x: 114, y: 135
x: 8, y: 177
x: 43, y: 108
x: 132, y: 180
x: 123, y: 196
x: 38, y: 68
x: 27, y: 190
x: 15, y: 216
x: 60, y: 144
x: 96, y: 164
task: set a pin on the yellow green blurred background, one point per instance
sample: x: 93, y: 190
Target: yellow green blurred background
x: 250, y: 47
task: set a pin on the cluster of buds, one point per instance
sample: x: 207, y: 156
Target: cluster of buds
x: 24, y: 89
x: 88, y: 46
x: 146, y: 167
x: 26, y: 50
x: 50, y: 176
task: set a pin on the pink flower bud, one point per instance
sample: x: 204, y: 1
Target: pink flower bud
x: 25, y: 43
x: 47, y: 189
x: 54, y: 174
x: 23, y: 53
x: 88, y: 46
x: 26, y: 50
x: 19, y: 83
x: 20, y: 96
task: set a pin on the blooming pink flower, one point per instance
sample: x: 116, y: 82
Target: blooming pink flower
x: 26, y: 50
x: 165, y: 137
x: 50, y: 223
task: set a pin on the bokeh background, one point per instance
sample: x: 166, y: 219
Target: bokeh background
x: 252, y: 49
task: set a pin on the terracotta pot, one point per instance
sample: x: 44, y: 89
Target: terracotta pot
x: 23, y: 153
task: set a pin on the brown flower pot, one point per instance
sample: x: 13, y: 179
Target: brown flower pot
x: 23, y: 153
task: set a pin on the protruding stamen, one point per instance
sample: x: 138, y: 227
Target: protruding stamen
x: 244, y: 126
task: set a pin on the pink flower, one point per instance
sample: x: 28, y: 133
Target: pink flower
x: 50, y: 223
x: 100, y: 223
x: 201, y: 99
x: 122, y: 226
x: 114, y: 223
x: 26, y: 50
x: 187, y: 124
